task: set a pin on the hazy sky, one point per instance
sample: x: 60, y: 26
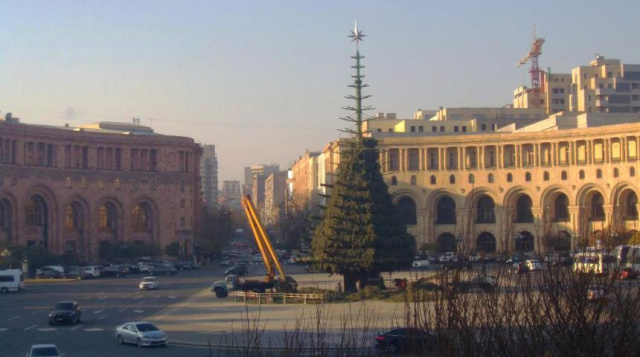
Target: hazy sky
x: 265, y: 80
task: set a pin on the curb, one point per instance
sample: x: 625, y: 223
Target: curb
x: 48, y: 281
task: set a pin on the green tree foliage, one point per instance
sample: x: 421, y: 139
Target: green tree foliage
x: 360, y: 234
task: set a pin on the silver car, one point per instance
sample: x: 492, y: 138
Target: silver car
x: 44, y: 351
x: 143, y: 334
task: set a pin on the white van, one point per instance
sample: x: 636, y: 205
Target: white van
x: 11, y: 280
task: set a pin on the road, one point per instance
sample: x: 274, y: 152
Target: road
x: 105, y: 303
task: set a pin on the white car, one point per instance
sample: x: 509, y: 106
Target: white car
x: 44, y: 350
x: 420, y: 263
x: 142, y: 334
x: 149, y: 283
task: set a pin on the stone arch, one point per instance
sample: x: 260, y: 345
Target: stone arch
x: 145, y: 221
x: 486, y: 242
x: 472, y: 198
x: 407, y: 210
x: 548, y: 195
x: 41, y: 212
x: 446, y: 242
x: 8, y: 216
x: 76, y: 223
x: 109, y: 214
x: 445, y: 210
x: 591, y: 198
x: 485, y: 209
x: 525, y: 242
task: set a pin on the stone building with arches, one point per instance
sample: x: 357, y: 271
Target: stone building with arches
x: 562, y: 182
x: 72, y: 189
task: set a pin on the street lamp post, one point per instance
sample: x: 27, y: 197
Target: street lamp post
x: 6, y: 255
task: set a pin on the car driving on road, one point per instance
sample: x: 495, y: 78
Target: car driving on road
x: 44, y: 351
x: 142, y: 334
x: 65, y: 312
x: 149, y: 283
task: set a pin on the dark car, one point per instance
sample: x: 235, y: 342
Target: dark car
x: 458, y: 264
x: 184, y: 265
x: 113, y: 270
x: 48, y: 273
x: 240, y: 270
x: 74, y: 272
x: 406, y: 340
x: 65, y: 312
x: 163, y: 269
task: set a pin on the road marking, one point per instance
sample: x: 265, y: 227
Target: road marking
x: 13, y: 318
x: 75, y: 327
x: 103, y: 298
x: 98, y: 311
x: 102, y: 317
x: 37, y: 312
x: 3, y: 329
x: 94, y: 329
x: 30, y: 327
x: 172, y: 297
x: 138, y: 311
x: 137, y: 297
x: 121, y: 310
x: 47, y: 329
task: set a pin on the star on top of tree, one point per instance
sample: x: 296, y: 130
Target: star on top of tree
x: 356, y: 35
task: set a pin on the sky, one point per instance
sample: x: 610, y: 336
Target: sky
x: 265, y: 81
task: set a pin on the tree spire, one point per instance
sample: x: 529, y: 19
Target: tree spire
x: 357, y: 36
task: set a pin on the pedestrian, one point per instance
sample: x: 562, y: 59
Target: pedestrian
x: 338, y: 288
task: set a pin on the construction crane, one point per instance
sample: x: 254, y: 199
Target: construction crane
x: 536, y: 74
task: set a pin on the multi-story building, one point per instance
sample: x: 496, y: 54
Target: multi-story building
x: 305, y: 180
x: 70, y: 190
x: 231, y: 193
x: 209, y: 175
x: 275, y: 187
x: 604, y: 86
x: 549, y: 185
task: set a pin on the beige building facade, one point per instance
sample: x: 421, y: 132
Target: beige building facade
x: 70, y: 190
x: 525, y: 190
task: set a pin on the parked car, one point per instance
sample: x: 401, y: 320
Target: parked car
x: 92, y: 271
x: 225, y: 262
x: 240, y: 270
x: 446, y: 257
x: 406, y: 340
x: 533, y: 264
x: 420, y: 262
x: 474, y: 258
x: 113, y: 270
x: 44, y: 351
x: 163, y: 269
x: 596, y: 293
x: 48, y: 273
x: 458, y: 264
x: 65, y: 312
x: 74, y: 272
x: 149, y: 283
x: 184, y: 265
x: 142, y: 334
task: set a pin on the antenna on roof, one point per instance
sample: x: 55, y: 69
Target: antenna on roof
x: 136, y: 121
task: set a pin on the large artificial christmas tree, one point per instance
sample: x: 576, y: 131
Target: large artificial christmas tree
x: 360, y: 234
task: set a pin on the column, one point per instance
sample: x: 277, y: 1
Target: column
x: 464, y: 158
x: 536, y: 158
x: 574, y: 214
x: 607, y: 150
x: 499, y: 156
x: 538, y: 219
x: 518, y: 153
x: 480, y: 157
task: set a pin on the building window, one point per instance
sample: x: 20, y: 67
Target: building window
x: 545, y: 176
x: 182, y: 222
x: 442, y: 129
x: 524, y: 213
x: 509, y: 177
x: 413, y: 129
x: 464, y: 129
x: 434, y: 129
x: 140, y: 218
x: 483, y: 127
x: 182, y: 202
x: 455, y: 129
x: 599, y: 173
x: 394, y: 181
x: 561, y: 208
x: 452, y: 179
x: 563, y: 175
x: 632, y: 171
x: 527, y: 176
x: 414, y: 180
x: 446, y: 211
x: 616, y: 173
x: 581, y: 175
x: 490, y: 178
x: 472, y: 178
x: 432, y: 180
x: 485, y: 207
x: 421, y: 129
x: 407, y: 209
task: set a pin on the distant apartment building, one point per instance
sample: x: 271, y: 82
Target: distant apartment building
x: 275, y: 187
x: 231, y: 194
x: 604, y: 86
x: 209, y: 175
x: 305, y: 180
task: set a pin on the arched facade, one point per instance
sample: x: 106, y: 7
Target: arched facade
x: 69, y: 190
x: 550, y: 186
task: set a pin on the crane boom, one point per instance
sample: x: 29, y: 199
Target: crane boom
x: 269, y: 256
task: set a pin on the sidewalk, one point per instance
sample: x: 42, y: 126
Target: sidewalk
x: 204, y: 320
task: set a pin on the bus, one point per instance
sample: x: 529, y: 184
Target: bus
x: 594, y: 262
x: 11, y: 280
